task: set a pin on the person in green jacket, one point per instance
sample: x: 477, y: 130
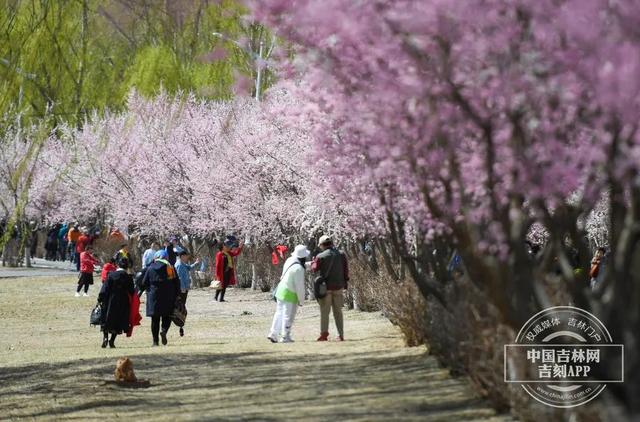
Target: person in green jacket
x: 289, y: 295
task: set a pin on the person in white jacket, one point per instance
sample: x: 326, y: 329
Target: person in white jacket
x: 289, y: 295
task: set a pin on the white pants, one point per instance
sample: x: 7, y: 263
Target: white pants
x: 283, y: 319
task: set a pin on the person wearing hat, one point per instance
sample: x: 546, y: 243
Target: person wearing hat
x: 226, y: 266
x: 332, y: 265
x: 162, y: 286
x: 114, y: 299
x: 289, y: 295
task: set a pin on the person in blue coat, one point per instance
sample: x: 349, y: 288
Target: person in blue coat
x: 162, y: 286
x: 63, y: 244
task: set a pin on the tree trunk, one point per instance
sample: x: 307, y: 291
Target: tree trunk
x: 254, y: 281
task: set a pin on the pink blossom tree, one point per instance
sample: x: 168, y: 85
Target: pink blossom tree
x: 170, y: 165
x: 473, y: 121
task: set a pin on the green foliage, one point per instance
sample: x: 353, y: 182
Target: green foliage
x: 64, y: 59
x: 155, y: 66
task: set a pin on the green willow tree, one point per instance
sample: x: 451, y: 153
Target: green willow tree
x: 64, y: 59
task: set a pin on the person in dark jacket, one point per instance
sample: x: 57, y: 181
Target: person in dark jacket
x: 332, y: 265
x: 162, y: 286
x: 170, y: 246
x: 114, y: 298
x: 51, y: 245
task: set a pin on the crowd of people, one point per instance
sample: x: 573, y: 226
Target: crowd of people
x: 165, y: 278
x: 65, y: 242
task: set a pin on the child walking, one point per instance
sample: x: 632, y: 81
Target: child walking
x: 87, y: 262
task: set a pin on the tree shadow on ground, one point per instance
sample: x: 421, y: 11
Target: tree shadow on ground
x: 266, y: 386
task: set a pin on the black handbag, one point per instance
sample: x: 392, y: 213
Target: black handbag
x: 320, y: 287
x: 96, y: 315
x: 179, y: 315
x: 320, y: 283
x: 138, y: 280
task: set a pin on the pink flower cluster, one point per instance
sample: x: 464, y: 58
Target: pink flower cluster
x: 478, y: 118
x: 170, y: 165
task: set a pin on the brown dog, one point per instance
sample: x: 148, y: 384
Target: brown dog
x: 124, y: 371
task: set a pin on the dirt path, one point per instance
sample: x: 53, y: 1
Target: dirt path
x: 51, y: 365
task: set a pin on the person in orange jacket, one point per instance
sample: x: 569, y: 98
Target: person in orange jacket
x: 72, y: 237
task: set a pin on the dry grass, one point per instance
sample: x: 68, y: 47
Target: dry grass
x: 51, y: 365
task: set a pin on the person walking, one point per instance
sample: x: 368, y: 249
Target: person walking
x: 332, y: 265
x: 162, y: 287
x: 225, y: 265
x: 183, y: 268
x: 114, y: 298
x: 289, y: 295
x: 87, y: 263
x: 147, y: 257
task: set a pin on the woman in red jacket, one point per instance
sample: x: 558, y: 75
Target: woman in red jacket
x: 226, y: 266
x: 87, y: 262
x: 107, y: 268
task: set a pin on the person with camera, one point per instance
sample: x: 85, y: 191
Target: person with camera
x: 225, y: 266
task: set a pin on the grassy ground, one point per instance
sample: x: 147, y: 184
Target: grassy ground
x: 52, y: 366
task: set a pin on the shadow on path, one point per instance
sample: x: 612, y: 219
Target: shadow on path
x: 243, y: 386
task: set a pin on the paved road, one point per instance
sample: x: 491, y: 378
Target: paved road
x: 40, y: 268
